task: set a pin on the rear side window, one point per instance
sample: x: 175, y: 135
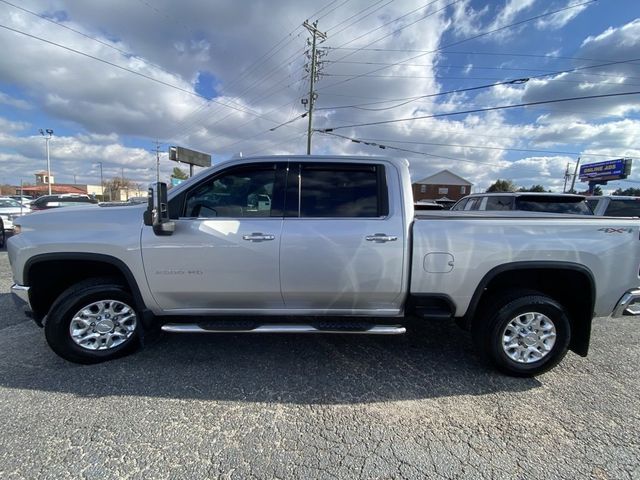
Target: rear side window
x: 473, y: 203
x: 623, y: 208
x: 554, y: 206
x: 499, y: 203
x: 342, y: 190
x: 593, y: 203
x: 460, y: 205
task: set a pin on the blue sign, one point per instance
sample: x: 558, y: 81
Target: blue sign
x: 609, y: 170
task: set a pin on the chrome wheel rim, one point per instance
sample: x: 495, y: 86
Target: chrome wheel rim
x: 529, y: 337
x: 103, y: 325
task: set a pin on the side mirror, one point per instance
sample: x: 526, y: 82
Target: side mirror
x: 157, y: 213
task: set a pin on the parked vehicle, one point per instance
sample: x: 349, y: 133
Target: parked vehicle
x: 615, y: 206
x: 339, y: 239
x: 425, y: 205
x: 11, y: 209
x: 525, y: 201
x: 66, y: 200
x: 23, y: 199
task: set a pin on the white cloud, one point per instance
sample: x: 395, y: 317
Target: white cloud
x: 103, y: 110
x: 560, y: 19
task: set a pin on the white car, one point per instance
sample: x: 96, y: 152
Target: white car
x: 11, y: 209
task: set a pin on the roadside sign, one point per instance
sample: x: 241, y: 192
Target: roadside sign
x: 191, y: 157
x: 604, y: 171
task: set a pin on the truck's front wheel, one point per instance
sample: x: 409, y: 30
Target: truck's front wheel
x: 93, y: 321
x: 523, y: 333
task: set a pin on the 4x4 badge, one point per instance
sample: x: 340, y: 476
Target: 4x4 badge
x: 615, y: 230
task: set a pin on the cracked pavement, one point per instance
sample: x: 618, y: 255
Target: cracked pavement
x: 294, y: 406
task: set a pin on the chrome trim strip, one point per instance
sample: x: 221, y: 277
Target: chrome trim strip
x: 627, y: 305
x: 285, y: 328
x: 22, y: 293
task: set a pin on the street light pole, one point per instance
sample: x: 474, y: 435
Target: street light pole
x: 47, y: 137
x: 101, y: 183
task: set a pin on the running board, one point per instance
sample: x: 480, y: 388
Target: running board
x: 219, y: 327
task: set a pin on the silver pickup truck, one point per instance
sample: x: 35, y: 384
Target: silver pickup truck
x: 320, y: 245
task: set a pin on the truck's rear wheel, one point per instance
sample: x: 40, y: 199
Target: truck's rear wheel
x: 93, y: 321
x: 522, y: 333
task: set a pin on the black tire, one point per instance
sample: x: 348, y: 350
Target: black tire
x: 3, y: 235
x: 70, y: 302
x: 488, y: 329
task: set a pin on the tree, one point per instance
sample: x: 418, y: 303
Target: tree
x: 117, y: 184
x: 597, y: 191
x: 534, y: 188
x: 631, y: 192
x: 179, y: 173
x: 502, y: 186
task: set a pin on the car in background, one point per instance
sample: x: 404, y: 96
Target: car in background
x: 427, y: 205
x: 10, y: 209
x: 23, y: 199
x: 615, y: 206
x: 525, y: 201
x: 56, y: 201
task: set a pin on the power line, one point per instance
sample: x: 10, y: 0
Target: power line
x: 436, y: 66
x: 473, y: 37
x: 406, y: 150
x: 106, y: 44
x: 332, y: 10
x: 484, y: 147
x: 161, y: 82
x: 426, y: 5
x: 356, y: 14
x: 411, y: 99
x: 501, y: 54
x: 478, y: 110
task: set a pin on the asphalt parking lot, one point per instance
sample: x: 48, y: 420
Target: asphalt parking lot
x: 232, y: 406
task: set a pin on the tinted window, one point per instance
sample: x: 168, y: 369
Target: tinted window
x: 460, y: 205
x: 473, y: 203
x: 9, y: 203
x: 552, y: 205
x: 593, y: 203
x: 242, y: 192
x: 623, y: 208
x: 342, y: 190
x: 499, y: 203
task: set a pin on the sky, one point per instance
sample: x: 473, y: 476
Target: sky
x: 117, y: 80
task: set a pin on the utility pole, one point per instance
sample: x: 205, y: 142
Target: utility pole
x: 575, y: 174
x: 566, y: 177
x: 47, y: 137
x: 313, y: 71
x: 101, y: 182
x: 157, y: 161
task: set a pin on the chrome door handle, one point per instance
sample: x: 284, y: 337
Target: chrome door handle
x: 258, y: 237
x: 381, y: 238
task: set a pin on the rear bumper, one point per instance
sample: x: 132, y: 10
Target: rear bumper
x: 628, y: 305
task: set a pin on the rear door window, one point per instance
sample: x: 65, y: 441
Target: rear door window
x: 329, y: 190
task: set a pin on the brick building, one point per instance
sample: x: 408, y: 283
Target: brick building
x: 443, y: 186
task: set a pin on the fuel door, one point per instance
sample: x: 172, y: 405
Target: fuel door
x: 438, y: 262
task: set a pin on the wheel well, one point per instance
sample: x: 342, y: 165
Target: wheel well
x: 49, y: 278
x: 572, y: 288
